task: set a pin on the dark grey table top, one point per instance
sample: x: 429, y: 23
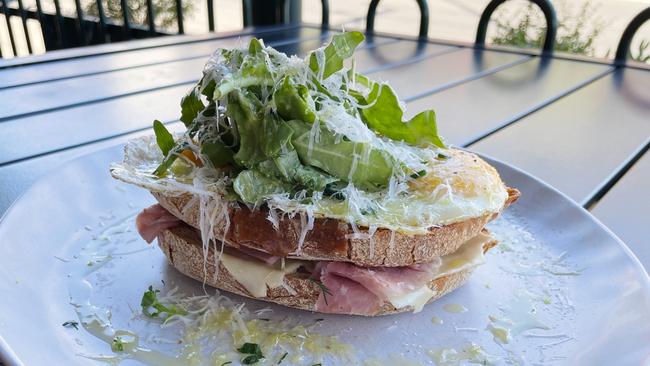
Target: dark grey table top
x: 581, y: 126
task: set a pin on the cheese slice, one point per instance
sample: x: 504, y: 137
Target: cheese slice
x: 255, y: 276
x: 417, y: 299
x: 467, y: 256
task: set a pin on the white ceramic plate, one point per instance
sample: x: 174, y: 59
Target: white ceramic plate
x: 557, y: 268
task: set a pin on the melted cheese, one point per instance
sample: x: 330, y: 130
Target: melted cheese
x: 417, y: 299
x: 467, y: 256
x: 255, y: 276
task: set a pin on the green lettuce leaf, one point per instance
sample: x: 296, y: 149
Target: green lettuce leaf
x: 191, y: 106
x: 253, y: 187
x: 340, y: 48
x: 291, y: 169
x: 164, y: 139
x: 343, y: 159
x: 169, y: 159
x: 293, y: 102
x: 262, y: 136
x: 384, y: 116
x: 254, y: 71
x: 217, y: 152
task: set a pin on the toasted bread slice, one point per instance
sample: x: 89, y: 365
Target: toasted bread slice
x: 331, y: 239
x: 184, y: 251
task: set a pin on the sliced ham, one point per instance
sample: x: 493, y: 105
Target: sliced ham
x: 345, y: 296
x: 361, y: 290
x: 154, y: 220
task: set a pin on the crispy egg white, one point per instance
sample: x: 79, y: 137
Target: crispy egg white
x: 456, y: 188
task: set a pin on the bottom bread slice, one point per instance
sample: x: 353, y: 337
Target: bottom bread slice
x: 184, y: 251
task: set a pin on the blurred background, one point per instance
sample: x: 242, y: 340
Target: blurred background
x: 590, y: 28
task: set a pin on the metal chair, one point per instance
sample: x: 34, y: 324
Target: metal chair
x: 623, y: 48
x: 424, y: 17
x: 544, y: 5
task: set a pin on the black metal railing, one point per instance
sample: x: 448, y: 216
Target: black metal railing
x: 544, y: 5
x: 60, y: 31
x: 623, y: 49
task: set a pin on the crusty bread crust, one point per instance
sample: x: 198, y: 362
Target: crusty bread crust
x: 330, y: 239
x: 184, y: 252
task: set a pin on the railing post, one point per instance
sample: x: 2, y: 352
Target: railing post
x: 179, y: 16
x: 211, y: 15
x: 23, y: 18
x: 58, y: 26
x: 125, y: 17
x: 102, y: 20
x: 151, y: 18
x: 5, y: 10
x: 80, y: 23
x: 270, y: 12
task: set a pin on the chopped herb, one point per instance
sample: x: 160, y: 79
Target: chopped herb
x: 226, y: 363
x: 71, y: 324
x: 117, y: 345
x: 419, y: 174
x: 264, y: 319
x: 253, y: 351
x: 317, y: 364
x: 250, y: 360
x: 333, y: 191
x: 323, y: 289
x: 442, y: 157
x: 249, y: 348
x: 368, y: 211
x: 151, y: 307
x: 282, y: 358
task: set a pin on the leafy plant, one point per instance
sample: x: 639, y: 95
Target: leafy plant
x: 164, y: 11
x: 644, y: 54
x: 573, y: 35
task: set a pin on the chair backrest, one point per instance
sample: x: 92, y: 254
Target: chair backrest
x: 424, y: 17
x: 623, y: 48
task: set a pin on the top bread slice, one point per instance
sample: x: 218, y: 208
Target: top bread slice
x: 331, y: 239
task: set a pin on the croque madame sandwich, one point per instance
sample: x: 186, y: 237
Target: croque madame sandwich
x: 299, y: 182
